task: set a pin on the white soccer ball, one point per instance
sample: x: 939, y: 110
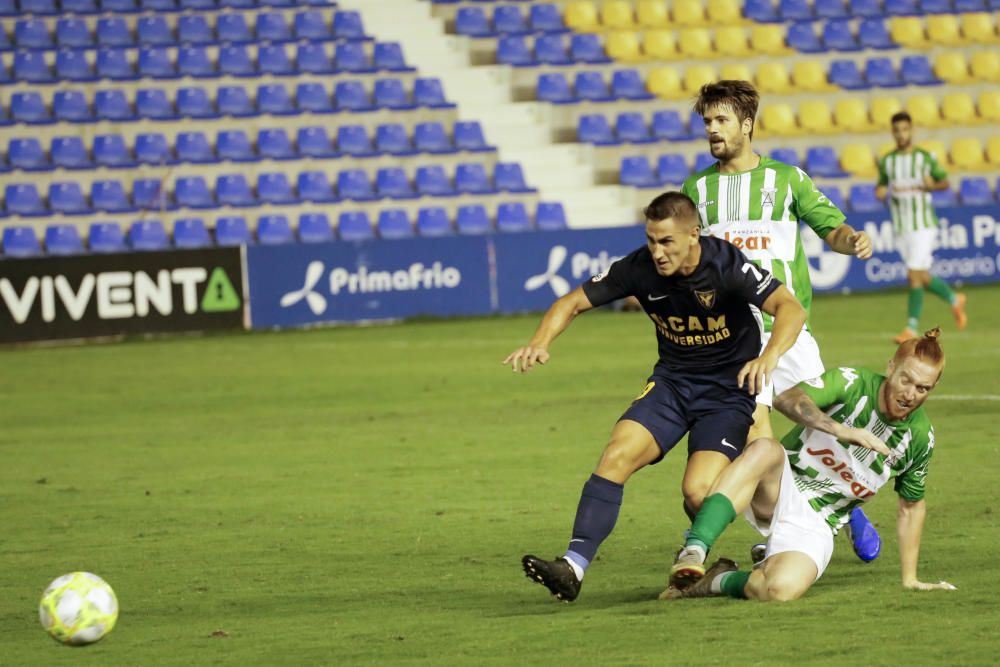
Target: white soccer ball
x: 78, y: 608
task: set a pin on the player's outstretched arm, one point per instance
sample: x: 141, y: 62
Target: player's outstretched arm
x: 848, y: 241
x: 801, y: 409
x: 910, y: 526
x: 555, y: 321
x: 789, y: 318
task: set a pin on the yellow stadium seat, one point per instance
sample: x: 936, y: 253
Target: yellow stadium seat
x: 952, y: 67
x: 772, y: 77
x: 985, y: 66
x: 967, y: 154
x: 652, y: 14
x: 769, y: 39
x: 697, y: 76
x: 815, y: 117
x: 924, y: 110
x: 959, y: 108
x: 993, y: 151
x: 883, y: 109
x: 779, y: 119
x: 937, y: 149
x: 696, y: 43
x: 731, y: 41
x: 858, y: 160
x: 978, y: 27
x: 623, y: 45
x: 943, y: 29
x: 809, y: 75
x: 736, y: 72
x: 907, y: 31
x: 659, y: 44
x: 616, y: 15
x: 851, y: 115
x: 989, y: 106
x: 665, y: 82
x: 688, y: 13
x: 581, y: 15
x: 725, y: 12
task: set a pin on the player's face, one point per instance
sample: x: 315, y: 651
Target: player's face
x: 902, y: 132
x: 907, y: 385
x: 670, y: 242
x: 726, y: 134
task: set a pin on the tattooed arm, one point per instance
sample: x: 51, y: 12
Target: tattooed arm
x: 795, y: 404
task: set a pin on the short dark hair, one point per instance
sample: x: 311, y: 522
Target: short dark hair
x: 899, y: 117
x: 671, y: 205
x: 740, y: 96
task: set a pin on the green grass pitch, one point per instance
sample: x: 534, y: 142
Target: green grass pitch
x: 364, y: 496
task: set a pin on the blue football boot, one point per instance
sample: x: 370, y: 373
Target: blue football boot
x: 865, y: 539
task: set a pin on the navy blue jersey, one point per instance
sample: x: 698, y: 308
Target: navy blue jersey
x: 704, y: 321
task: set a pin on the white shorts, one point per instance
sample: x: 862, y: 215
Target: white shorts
x: 917, y: 248
x: 795, y: 526
x: 801, y: 362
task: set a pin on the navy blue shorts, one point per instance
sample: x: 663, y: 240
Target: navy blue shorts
x: 712, y: 409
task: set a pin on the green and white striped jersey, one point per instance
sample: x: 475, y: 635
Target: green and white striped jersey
x: 759, y: 211
x: 834, y: 477
x: 900, y: 170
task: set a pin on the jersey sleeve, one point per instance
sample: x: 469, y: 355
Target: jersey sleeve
x: 937, y: 172
x: 831, y: 387
x: 912, y: 482
x: 883, y: 174
x: 753, y: 283
x: 613, y: 284
x: 813, y: 207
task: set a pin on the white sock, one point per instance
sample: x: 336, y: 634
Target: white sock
x: 577, y: 570
x: 716, y: 585
x: 696, y: 549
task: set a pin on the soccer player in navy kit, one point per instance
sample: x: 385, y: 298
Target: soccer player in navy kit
x: 698, y: 290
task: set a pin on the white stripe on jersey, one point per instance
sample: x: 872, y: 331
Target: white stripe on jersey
x: 744, y: 201
x: 702, y: 186
x: 767, y: 200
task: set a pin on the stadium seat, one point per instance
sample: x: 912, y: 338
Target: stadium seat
x: 472, y: 219
x: 274, y: 188
x: 311, y: 25
x: 863, y: 199
x: 513, y: 217
x: 354, y: 184
x: 769, y: 40
x: 348, y: 25
x: 959, y: 109
x: 873, y: 34
x: 433, y: 222
x: 514, y: 50
x: 233, y: 28
x: 786, y: 155
x: 902, y: 8
x: 234, y: 60
x: 916, y: 71
x: 858, y: 160
x: 831, y: 9
x: 432, y: 138
x: 112, y: 105
x: 193, y: 192
x: 508, y: 19
x: 469, y: 137
x: 591, y: 86
x: 313, y: 97
x: 71, y: 106
x: 313, y: 186
x: 274, y: 230
x: 195, y: 103
x: 390, y: 94
x: 936, y: 6
x: 508, y: 177
x: 651, y: 14
x: 616, y: 15
x: 147, y: 235
x: 554, y: 88
x: 113, y: 31
x: 394, y: 223
x: 393, y: 182
x: 631, y: 126
x: 985, y: 66
x: 976, y: 192
x: 989, y: 106
x: 153, y: 103
x: 271, y: 26
x: 352, y: 95
x: 32, y: 34
x: 795, y: 10
x: 665, y: 82
x: 545, y: 17
x: 731, y: 40
x: 354, y: 140
x: 882, y: 73
x: 967, y: 154
x: 588, y: 49
x: 628, y: 84
x: 851, y: 115
x: 808, y: 75
x: 908, y: 31
x: 313, y: 59
x: 110, y: 196
x: 668, y: 125
x: 882, y: 110
x: 61, y: 239
x: 779, y: 119
x: 924, y: 110
x: 724, y: 12
x: 472, y: 22
x: 865, y: 8
x: 274, y: 144
x: 68, y: 153
x: 105, y: 237
x: 20, y: 242
x: 822, y: 161
x: 761, y: 11
x: 273, y: 99
x: 194, y: 29
x: 194, y: 147
x: 315, y: 228
x: 433, y: 180
x: 31, y: 66
x: 273, y: 59
x: 672, y: 169
x: 944, y: 198
x: 970, y: 5
x: 551, y: 50
x: 636, y: 171
x: 838, y: 35
x: 978, y: 27
x: 73, y: 33
x: 392, y: 138
x: 952, y: 67
x: 594, y: 129
x: 234, y: 145
x: 191, y: 233
x: 233, y: 190
x: 110, y: 150
x: 845, y: 73
x: 352, y: 57
x: 354, y: 226
x: 73, y: 65
x: 695, y: 43
x: 581, y: 16
x: 149, y: 193
x: 28, y: 107
x: 550, y: 216
x: 113, y: 63
x: 152, y: 148
x: 659, y: 45
x: 27, y: 153
x: 232, y: 230
x: 772, y: 77
x: 313, y: 141
x: 697, y: 76
x: 803, y: 38
x: 943, y: 29
x: 472, y: 178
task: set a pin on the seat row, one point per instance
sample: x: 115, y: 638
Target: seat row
x: 910, y: 32
x: 158, y: 62
x: 154, y: 148
x: 55, y: 7
x: 68, y: 198
x: 75, y: 106
x: 768, y: 11
x: 584, y: 16
x: 159, y: 30
x: 392, y: 223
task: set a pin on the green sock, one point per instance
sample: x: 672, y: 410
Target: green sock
x: 913, y: 307
x: 940, y: 289
x: 733, y: 584
x: 715, y: 514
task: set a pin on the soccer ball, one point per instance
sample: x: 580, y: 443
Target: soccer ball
x: 78, y: 608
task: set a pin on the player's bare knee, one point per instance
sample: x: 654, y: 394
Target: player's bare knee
x: 619, y: 460
x: 762, y: 453
x: 695, y: 491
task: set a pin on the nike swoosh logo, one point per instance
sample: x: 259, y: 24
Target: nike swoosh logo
x: 726, y: 444
x: 575, y: 540
x: 656, y: 298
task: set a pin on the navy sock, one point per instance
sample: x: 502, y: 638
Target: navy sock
x: 595, y: 519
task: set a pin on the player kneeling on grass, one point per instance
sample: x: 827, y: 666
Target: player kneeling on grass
x: 700, y: 292
x: 855, y: 429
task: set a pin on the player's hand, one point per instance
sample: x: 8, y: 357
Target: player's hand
x: 863, y: 438
x: 524, y: 358
x: 756, y: 373
x: 922, y: 586
x: 861, y: 244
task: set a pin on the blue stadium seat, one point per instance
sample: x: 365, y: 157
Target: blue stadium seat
x: 148, y: 235
x: 149, y: 193
x: 389, y: 56
x: 274, y: 144
x: 193, y: 192
x: 433, y: 222
x: 20, y: 242
x: 31, y: 66
x: 232, y: 230
x: 472, y: 22
x: 352, y: 95
x: 882, y: 73
x: 112, y: 105
x: 429, y: 93
x: 865, y: 8
x: 637, y: 172
x: 233, y: 28
x: 830, y: 9
x: 32, y: 34
x: 73, y: 65
x: 195, y: 103
x: 23, y: 199
x: 194, y: 61
x: 106, y: 237
x: 118, y: 6
x: 786, y: 155
x: 113, y: 63
x: 274, y: 230
x: 27, y: 153
x: 514, y: 50
x: 672, y: 168
x: 471, y: 177
x: 152, y: 148
x: 822, y: 161
x: 508, y: 19
x: 313, y: 186
x: 863, y: 198
x: 472, y: 219
x: 313, y: 141
x: 975, y: 191
x: 234, y: 60
x: 834, y: 194
x: 110, y: 196
x: 936, y: 6
x: 588, y: 48
x: 469, y: 137
x: 669, y: 125
x: 354, y: 184
x: 234, y: 101
x: 153, y: 103
x: 550, y: 216
x: 274, y: 188
x: 272, y: 98
x: 804, y: 38
x: 394, y: 223
x: 507, y: 176
x: 631, y: 127
x: 432, y: 138
x: 69, y: 153
x: 354, y: 140
x: 110, y: 150
x: 273, y: 59
x: 28, y: 107
x: 313, y: 97
x: 347, y: 25
x: 194, y: 147
x: 194, y: 29
x: 551, y: 50
x: 433, y: 180
x: 545, y: 17
x: 393, y: 182
x: 902, y: 8
x: 271, y: 26
x: 845, y: 73
x: 838, y: 36
x: 761, y: 11
x: 152, y: 5
x: 594, y: 129
x: 191, y: 233
x: 703, y: 161
x: 917, y: 71
x: 62, y: 239
x: 944, y: 198
x: 354, y: 226
x: 233, y: 190
x: 390, y: 94
x: 795, y: 10
x: 873, y: 34
x: 313, y: 59
x: 312, y: 25
x: 351, y: 57
x: 38, y: 6
x: 152, y: 31
x: 392, y: 138
x: 628, y: 84
x: 113, y: 31
x: 315, y: 228
x: 513, y: 217
x: 591, y: 86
